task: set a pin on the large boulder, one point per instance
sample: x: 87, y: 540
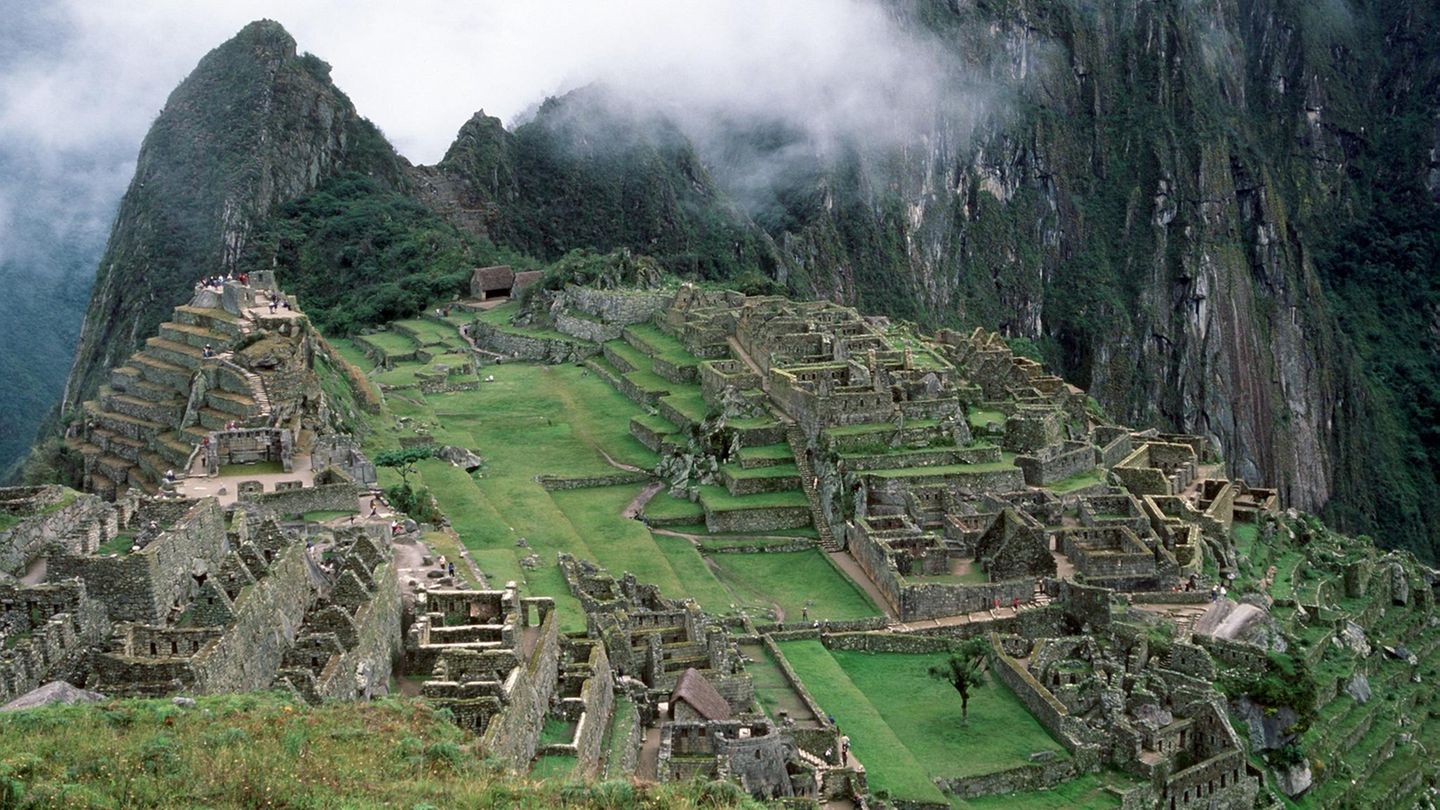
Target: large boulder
x: 1293, y: 780
x: 1359, y: 688
x: 1269, y: 729
x: 1399, y: 584
x: 55, y: 692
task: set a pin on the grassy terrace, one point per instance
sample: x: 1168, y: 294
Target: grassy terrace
x: 666, y: 507
x: 662, y: 345
x: 906, y: 726
x: 979, y: 417
x: 389, y: 344
x: 767, y: 452
x: 500, y: 316
x: 773, y: 471
x: 1089, y: 478
x: 719, y: 499
x: 793, y: 581
x: 879, y: 427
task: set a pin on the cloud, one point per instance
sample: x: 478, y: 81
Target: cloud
x: 81, y: 81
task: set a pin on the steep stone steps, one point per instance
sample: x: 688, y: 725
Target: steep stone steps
x: 131, y: 426
x: 197, y: 336
x: 154, y: 466
x: 175, y: 452
x: 213, y: 320
x: 212, y: 419
x: 161, y: 372
x: 165, y: 412
x: 239, y: 406
x: 179, y: 354
x: 113, y: 467
x: 136, y: 385
x: 115, y: 444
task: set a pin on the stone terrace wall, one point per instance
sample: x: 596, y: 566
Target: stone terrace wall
x: 512, y: 735
x: 525, y: 347
x: 1052, y: 714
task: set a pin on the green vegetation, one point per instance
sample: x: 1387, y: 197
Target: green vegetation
x: 907, y: 727
x: 357, y: 253
x: 119, y: 544
x: 266, y: 750
x: 795, y: 581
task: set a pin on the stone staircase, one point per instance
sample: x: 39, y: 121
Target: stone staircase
x: 134, y: 430
x: 796, y: 439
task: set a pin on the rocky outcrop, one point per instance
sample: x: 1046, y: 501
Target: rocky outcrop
x: 253, y: 126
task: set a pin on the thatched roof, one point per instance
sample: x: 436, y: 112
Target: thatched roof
x: 701, y: 695
x: 526, y: 278
x: 499, y: 277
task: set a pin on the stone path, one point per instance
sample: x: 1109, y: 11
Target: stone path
x: 647, y: 770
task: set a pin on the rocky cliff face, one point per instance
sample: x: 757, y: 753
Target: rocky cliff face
x: 1146, y: 209
x: 253, y: 126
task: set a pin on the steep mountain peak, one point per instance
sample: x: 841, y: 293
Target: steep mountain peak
x: 254, y: 125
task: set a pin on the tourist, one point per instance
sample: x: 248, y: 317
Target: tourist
x: 1223, y: 592
x: 1015, y: 602
x: 451, y: 569
x: 374, y: 510
x: 844, y: 747
x: 1214, y: 593
x: 208, y: 352
x: 169, y: 476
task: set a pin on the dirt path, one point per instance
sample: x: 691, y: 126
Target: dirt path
x: 648, y: 768
x: 638, y: 502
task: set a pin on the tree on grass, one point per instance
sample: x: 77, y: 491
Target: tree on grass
x: 964, y: 670
x: 404, y: 460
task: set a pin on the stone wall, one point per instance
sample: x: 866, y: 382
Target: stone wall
x: 142, y: 586
x: 553, y: 483
x: 340, y: 497
x: 1072, y: 733
x: 46, y: 632
x: 598, y: 697
x: 266, y: 618
x: 527, y: 347
x: 585, y: 328
x: 511, y: 735
x: 618, y: 306
x: 47, y: 518
x: 762, y: 519
x: 1039, y: 776
x: 1056, y: 463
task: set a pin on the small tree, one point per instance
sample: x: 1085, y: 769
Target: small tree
x: 964, y: 670
x: 404, y: 460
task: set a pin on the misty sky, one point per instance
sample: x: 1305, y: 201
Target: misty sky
x: 81, y: 80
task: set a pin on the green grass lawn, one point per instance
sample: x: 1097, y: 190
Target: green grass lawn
x: 553, y: 766
x: 556, y: 731
x: 390, y: 344
x: 773, y: 471
x: 664, y: 506
x: 1089, y: 478
x: 874, y: 695
x: 623, y: 545
x: 768, y: 452
x: 688, y: 400
x: 258, y: 468
x: 793, y: 580
x: 979, y: 418
x: 663, y: 345
x: 119, y: 544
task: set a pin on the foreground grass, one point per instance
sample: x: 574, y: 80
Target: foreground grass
x: 795, y: 580
x: 266, y: 750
